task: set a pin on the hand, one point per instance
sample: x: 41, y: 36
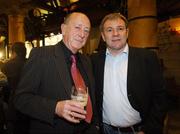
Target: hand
x: 70, y: 110
x: 141, y: 132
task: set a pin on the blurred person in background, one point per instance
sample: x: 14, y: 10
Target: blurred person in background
x: 16, y: 121
x: 12, y: 67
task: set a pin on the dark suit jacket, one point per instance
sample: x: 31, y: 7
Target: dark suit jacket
x: 145, y: 87
x: 46, y: 80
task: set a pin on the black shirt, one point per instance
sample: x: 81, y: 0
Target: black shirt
x: 67, y: 54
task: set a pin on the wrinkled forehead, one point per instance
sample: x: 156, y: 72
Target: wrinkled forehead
x: 79, y: 19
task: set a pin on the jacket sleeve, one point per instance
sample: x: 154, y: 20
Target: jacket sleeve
x: 155, y: 118
x: 26, y: 98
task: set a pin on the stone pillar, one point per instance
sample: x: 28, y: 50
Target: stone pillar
x: 93, y: 41
x: 142, y: 23
x: 16, y: 28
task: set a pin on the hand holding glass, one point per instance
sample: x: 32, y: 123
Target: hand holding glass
x: 80, y: 95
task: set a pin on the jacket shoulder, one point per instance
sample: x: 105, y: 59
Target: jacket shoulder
x: 142, y: 51
x: 97, y: 55
x: 46, y: 51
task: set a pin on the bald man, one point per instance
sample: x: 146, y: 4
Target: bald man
x: 44, y: 92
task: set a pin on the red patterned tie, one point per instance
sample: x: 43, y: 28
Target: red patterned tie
x: 79, y: 84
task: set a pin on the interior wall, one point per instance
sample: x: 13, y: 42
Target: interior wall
x: 93, y: 41
x: 169, y: 44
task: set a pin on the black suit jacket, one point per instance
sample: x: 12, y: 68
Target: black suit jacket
x: 46, y: 80
x: 145, y: 87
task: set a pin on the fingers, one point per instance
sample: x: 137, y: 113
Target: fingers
x: 76, y: 107
x: 70, y: 110
x: 77, y: 115
x: 75, y: 103
x: 70, y: 117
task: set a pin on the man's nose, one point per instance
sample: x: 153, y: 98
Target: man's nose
x: 82, y: 33
x: 115, y: 32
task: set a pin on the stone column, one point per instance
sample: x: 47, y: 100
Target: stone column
x: 16, y: 28
x: 142, y: 23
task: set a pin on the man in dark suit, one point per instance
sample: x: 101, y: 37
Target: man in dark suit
x: 130, y: 91
x: 44, y: 91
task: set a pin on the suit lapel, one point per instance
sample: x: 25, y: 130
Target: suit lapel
x: 131, y: 67
x: 101, y: 65
x: 62, y: 68
x: 85, y: 67
x: 87, y: 71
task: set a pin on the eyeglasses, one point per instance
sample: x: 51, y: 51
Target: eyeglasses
x: 117, y: 29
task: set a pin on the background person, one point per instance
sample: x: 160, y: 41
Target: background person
x: 12, y: 67
x: 16, y: 121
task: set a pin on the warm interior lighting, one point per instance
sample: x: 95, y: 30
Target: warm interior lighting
x: 72, y: 1
x: 61, y: 3
x: 52, y: 40
x: 48, y: 3
x: 2, y: 38
x: 175, y: 25
x: 177, y: 29
x: 1, y: 55
x: 58, y: 2
x: 43, y: 11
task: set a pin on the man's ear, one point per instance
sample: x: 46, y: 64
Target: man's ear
x: 102, y: 36
x: 127, y: 32
x: 63, y: 28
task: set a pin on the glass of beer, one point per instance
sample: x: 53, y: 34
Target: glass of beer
x: 80, y: 95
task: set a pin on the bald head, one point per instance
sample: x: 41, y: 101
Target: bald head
x: 73, y: 15
x: 75, y: 31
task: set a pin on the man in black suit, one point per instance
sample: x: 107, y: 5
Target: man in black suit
x: 44, y: 91
x: 130, y: 90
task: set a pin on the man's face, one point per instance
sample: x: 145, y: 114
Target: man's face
x: 76, y: 32
x: 115, y: 35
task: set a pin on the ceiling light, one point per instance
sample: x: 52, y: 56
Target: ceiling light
x: 72, y: 1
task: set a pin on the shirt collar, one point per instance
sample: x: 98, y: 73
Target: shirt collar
x: 68, y: 54
x: 125, y: 50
